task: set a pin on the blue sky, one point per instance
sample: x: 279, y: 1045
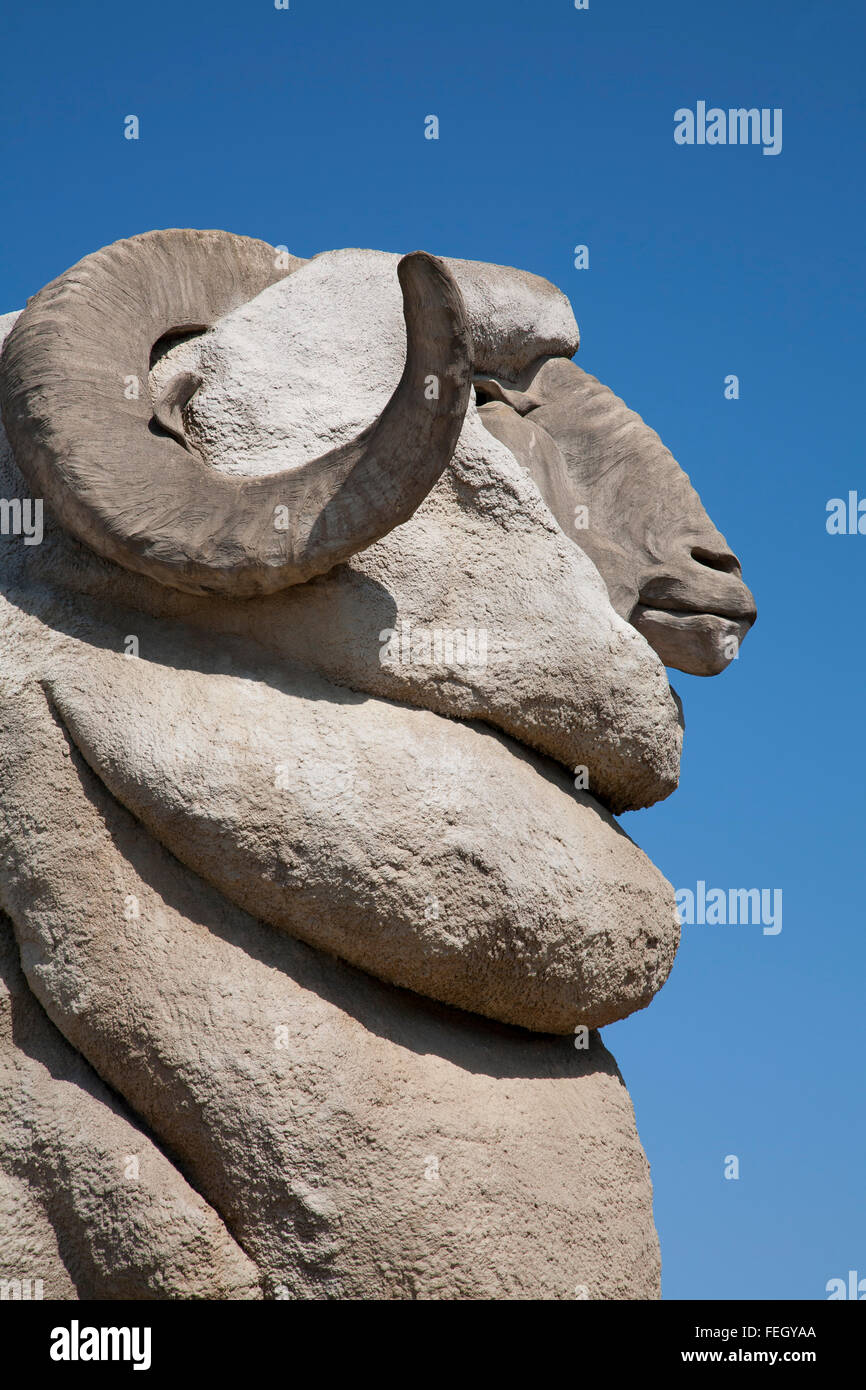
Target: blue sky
x: 305, y: 127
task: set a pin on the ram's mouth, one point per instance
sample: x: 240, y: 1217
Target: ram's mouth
x: 701, y: 644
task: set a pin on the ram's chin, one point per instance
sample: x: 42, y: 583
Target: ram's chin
x: 701, y: 644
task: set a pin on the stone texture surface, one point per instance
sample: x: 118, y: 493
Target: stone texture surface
x: 267, y: 799
x: 564, y: 673
x: 29, y: 1250
x: 308, y: 365
x: 437, y: 856
x: 252, y: 415
x: 89, y: 1204
x: 356, y: 1140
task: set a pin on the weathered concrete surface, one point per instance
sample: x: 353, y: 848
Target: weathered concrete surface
x: 308, y: 365
x: 88, y: 1203
x: 305, y: 1100
x: 273, y: 794
x: 437, y: 856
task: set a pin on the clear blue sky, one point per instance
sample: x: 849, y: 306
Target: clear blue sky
x: 305, y: 127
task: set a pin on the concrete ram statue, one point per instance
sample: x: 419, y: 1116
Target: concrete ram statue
x: 343, y: 645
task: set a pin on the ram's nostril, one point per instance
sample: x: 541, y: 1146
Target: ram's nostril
x: 721, y: 560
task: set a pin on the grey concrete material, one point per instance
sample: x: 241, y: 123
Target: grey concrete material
x: 310, y: 363
x: 31, y: 1265
x: 357, y: 1141
x: 482, y: 552
x: 279, y: 791
x: 436, y: 856
x: 90, y: 1206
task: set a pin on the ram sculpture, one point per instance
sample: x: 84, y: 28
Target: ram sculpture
x: 343, y: 644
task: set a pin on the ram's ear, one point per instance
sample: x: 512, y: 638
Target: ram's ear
x: 169, y: 407
x: 515, y: 318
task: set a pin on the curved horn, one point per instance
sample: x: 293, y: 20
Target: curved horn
x: 142, y: 499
